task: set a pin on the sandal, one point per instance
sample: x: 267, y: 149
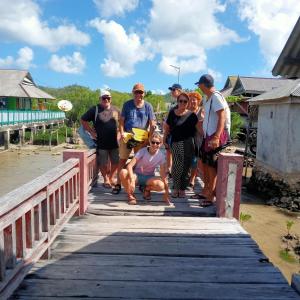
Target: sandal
x: 147, y: 194
x: 174, y: 194
x: 116, y: 189
x: 131, y: 199
x: 106, y: 185
x: 206, y: 203
x: 198, y: 196
x: 190, y: 187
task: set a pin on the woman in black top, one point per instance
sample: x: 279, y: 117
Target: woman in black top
x: 181, y: 124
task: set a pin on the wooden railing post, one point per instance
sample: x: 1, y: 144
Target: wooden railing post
x: 229, y: 183
x: 83, y: 184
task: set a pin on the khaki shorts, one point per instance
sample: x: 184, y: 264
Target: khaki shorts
x: 104, y: 155
x: 125, y: 152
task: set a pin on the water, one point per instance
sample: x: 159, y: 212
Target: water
x: 18, y: 167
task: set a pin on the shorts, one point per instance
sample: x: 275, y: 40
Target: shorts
x: 209, y: 158
x: 104, y: 155
x: 142, y: 179
x: 124, y: 152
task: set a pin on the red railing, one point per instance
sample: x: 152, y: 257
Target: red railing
x: 33, y: 215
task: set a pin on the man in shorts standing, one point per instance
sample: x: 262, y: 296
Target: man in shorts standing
x: 104, y: 131
x: 216, y: 130
x: 136, y: 113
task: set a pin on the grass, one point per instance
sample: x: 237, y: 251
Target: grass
x: 287, y: 256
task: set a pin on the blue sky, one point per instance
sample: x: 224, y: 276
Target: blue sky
x: 115, y: 43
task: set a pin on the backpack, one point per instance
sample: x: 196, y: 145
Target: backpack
x: 85, y: 135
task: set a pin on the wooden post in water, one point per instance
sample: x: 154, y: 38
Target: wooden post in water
x: 229, y: 184
x: 83, y: 183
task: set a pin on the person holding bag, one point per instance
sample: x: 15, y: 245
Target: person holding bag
x: 216, y: 130
x: 181, y: 124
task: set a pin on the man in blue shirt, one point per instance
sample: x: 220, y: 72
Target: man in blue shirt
x: 136, y: 113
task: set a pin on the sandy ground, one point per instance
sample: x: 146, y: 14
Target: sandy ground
x: 266, y: 226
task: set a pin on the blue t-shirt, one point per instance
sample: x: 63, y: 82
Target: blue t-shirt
x: 135, y: 117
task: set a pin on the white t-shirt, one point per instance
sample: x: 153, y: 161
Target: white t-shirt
x: 210, y: 123
x: 146, y: 163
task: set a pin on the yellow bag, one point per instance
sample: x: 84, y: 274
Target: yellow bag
x: 140, y: 135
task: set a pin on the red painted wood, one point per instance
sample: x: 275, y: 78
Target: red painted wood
x: 82, y: 155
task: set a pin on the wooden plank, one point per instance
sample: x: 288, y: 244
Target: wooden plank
x: 2, y: 256
x: 37, y: 222
x: 153, y: 290
x: 29, y: 223
x: 161, y: 273
x: 103, y: 260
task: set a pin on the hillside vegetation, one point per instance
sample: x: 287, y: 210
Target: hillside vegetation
x: 83, y: 98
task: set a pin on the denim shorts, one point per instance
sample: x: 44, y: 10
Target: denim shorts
x: 142, y: 179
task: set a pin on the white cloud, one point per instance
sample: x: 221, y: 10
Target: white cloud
x: 124, y: 50
x: 23, y: 61
x: 272, y: 21
x: 190, y: 28
x: 67, y: 64
x: 21, y: 20
x: 108, y: 8
x: 158, y: 92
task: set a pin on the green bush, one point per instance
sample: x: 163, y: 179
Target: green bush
x: 44, y: 138
x: 236, y: 124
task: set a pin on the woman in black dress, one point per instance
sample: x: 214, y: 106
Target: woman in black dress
x: 181, y: 124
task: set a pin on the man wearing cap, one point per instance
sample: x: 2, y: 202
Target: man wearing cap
x: 216, y: 129
x: 175, y: 90
x: 104, y: 131
x: 136, y: 113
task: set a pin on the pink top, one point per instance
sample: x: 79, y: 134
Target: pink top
x: 146, y: 163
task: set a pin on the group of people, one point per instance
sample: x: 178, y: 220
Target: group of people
x: 194, y: 133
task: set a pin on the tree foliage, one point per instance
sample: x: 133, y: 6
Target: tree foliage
x: 84, y: 98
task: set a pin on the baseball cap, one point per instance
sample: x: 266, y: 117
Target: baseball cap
x: 105, y: 93
x: 138, y: 87
x: 175, y: 86
x: 206, y: 79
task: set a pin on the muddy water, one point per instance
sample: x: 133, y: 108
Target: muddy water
x: 18, y: 167
x: 267, y: 226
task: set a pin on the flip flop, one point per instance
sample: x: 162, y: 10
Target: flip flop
x: 206, y: 203
x: 131, y: 199
x: 116, y: 189
x: 106, y: 185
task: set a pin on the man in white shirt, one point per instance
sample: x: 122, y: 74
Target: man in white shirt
x: 216, y: 129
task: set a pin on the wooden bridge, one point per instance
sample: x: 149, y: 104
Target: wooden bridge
x: 57, y: 241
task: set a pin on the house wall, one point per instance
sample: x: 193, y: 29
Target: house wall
x: 12, y: 103
x: 278, y: 141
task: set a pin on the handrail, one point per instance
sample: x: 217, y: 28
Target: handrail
x: 8, y: 117
x: 32, y: 215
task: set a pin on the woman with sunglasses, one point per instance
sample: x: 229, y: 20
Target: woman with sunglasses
x: 140, y: 171
x: 181, y: 124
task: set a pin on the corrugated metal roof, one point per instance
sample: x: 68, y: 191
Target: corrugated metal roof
x: 226, y: 92
x: 19, y: 83
x: 288, y: 62
x: 292, y: 88
x: 258, y: 85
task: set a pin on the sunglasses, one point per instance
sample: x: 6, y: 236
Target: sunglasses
x: 183, y: 101
x: 106, y: 98
x: 139, y: 92
x: 155, y: 143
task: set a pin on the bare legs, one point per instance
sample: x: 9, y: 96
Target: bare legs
x: 210, y: 179
x: 153, y: 184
